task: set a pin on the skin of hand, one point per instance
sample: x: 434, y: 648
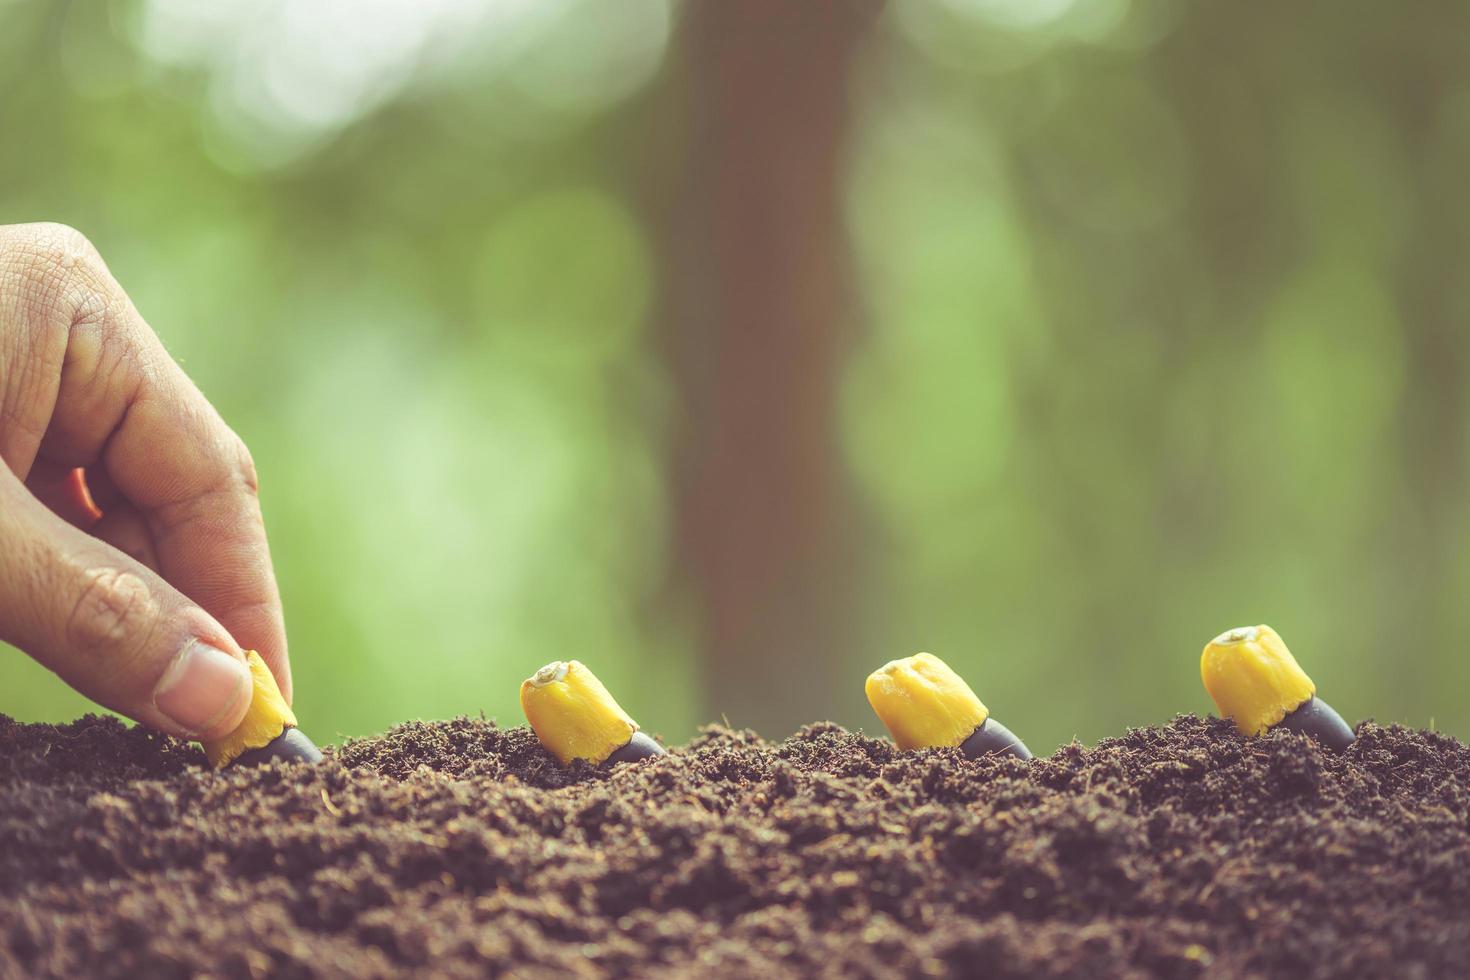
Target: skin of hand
x: 147, y: 609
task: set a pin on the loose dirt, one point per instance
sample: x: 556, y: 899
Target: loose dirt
x: 461, y: 849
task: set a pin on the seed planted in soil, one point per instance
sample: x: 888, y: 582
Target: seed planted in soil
x: 924, y: 704
x: 575, y: 717
x: 1256, y: 683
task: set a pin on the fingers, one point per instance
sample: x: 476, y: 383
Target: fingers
x: 125, y: 410
x: 111, y: 627
x: 194, y: 485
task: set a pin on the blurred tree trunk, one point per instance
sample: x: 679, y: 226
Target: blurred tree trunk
x: 759, y: 313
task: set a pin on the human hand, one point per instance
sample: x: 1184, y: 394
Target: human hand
x: 145, y: 609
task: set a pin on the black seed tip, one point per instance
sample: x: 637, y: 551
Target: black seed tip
x: 1318, y: 719
x: 291, y: 745
x: 640, y: 746
x: 992, y: 736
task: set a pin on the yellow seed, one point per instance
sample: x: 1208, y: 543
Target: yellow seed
x: 1253, y: 679
x: 572, y: 713
x: 923, y: 703
x: 269, y: 715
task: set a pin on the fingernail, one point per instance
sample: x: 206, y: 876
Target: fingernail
x: 201, y: 687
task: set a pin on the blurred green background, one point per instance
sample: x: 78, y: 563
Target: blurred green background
x: 735, y: 349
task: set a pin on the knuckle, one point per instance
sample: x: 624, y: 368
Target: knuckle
x: 57, y: 276
x: 53, y: 250
x: 71, y: 311
x: 114, y: 613
x: 61, y: 240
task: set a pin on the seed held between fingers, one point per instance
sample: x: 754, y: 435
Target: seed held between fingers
x: 269, y: 730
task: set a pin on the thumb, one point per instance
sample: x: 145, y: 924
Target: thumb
x: 112, y: 628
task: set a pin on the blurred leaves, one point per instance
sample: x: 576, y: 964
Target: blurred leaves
x: 1178, y: 382
x: 1164, y: 334
x: 434, y: 346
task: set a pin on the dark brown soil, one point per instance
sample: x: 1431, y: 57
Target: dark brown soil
x: 460, y: 849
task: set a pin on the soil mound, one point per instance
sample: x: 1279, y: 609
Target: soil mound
x: 461, y: 849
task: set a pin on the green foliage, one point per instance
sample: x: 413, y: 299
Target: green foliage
x: 1164, y: 334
